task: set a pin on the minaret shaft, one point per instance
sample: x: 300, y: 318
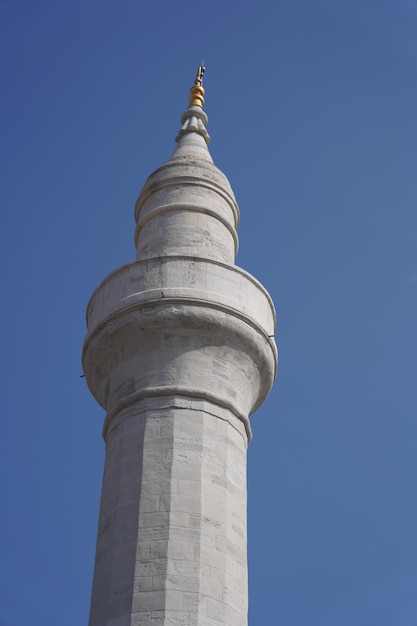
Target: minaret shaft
x: 171, y: 543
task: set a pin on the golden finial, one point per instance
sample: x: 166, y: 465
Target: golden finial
x: 197, y: 91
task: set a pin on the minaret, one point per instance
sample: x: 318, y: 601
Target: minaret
x: 179, y: 351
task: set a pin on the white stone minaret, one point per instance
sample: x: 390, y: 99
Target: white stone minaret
x: 179, y: 351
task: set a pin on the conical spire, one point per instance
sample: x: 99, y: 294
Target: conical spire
x: 187, y: 207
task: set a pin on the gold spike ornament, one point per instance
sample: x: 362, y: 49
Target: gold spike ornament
x: 197, y: 91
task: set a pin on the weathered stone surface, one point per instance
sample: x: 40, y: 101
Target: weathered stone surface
x: 148, y: 560
x: 179, y: 351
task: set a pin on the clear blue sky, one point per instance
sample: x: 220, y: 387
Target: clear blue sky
x: 313, y: 116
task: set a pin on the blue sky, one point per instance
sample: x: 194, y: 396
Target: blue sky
x: 312, y: 113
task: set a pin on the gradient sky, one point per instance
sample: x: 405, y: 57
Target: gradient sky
x: 313, y: 116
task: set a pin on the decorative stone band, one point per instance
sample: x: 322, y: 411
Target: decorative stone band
x: 173, y: 174
x: 192, y: 351
x: 187, y: 207
x: 182, y: 277
x: 194, y: 120
x: 151, y: 333
x: 177, y: 397
x: 157, y: 404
